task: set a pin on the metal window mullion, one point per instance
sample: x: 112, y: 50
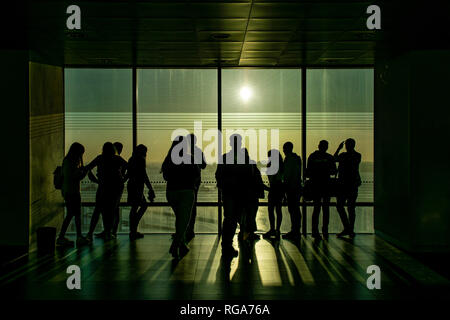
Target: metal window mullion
x: 303, y: 108
x: 134, y: 107
x: 219, y: 153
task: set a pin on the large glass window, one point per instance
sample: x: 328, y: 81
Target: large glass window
x: 256, y: 101
x: 98, y: 105
x: 98, y: 108
x: 170, y: 99
x: 340, y: 106
x: 259, y: 102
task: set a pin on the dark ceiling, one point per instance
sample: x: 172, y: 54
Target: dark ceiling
x: 205, y: 33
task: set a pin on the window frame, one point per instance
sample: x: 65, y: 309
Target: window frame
x: 303, y: 134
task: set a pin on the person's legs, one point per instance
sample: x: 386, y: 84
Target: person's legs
x: 271, y: 209
x: 315, y: 216
x: 351, y: 204
x: 136, y: 213
x: 138, y: 207
x: 230, y: 220
x: 116, y: 220
x: 341, y: 199
x: 183, y: 216
x: 94, y: 220
x: 133, y: 218
x: 116, y: 213
x: 181, y: 202
x: 279, y: 211
x: 107, y: 212
x: 73, y: 204
x: 293, y: 198
x: 78, y: 224
x: 95, y: 215
x: 191, y: 227
x: 271, y: 212
x: 140, y: 213
x: 253, y: 212
x: 71, y: 210
x: 326, y: 215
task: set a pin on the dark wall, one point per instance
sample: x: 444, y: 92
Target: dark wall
x: 14, y: 192
x: 392, y: 150
x: 46, y: 145
x: 412, y: 189
x: 430, y: 151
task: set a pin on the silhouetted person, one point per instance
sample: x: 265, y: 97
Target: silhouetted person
x: 73, y: 172
x: 320, y: 166
x: 256, y: 192
x: 276, y: 195
x: 199, y: 160
x: 292, y: 186
x: 234, y: 179
x: 96, y: 214
x: 97, y: 210
x: 137, y: 180
x: 348, y: 180
x: 182, y: 178
x: 116, y: 214
x: 110, y: 170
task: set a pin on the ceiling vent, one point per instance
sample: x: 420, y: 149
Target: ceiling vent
x: 105, y: 61
x: 336, y: 60
x: 75, y: 34
x: 220, y: 36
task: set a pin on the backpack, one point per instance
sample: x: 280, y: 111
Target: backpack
x: 58, y: 178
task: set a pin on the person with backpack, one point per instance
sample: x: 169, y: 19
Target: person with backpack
x: 72, y: 172
x: 320, y: 166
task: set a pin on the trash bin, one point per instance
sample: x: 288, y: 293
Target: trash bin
x: 46, y: 238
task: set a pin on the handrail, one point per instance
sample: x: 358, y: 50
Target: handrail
x: 215, y: 204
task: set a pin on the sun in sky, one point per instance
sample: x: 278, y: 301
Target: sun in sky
x: 246, y: 93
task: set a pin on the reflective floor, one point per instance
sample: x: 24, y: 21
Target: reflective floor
x: 143, y: 269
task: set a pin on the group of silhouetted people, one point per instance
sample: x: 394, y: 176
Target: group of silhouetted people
x: 241, y: 187
x: 112, y: 173
x: 238, y: 179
